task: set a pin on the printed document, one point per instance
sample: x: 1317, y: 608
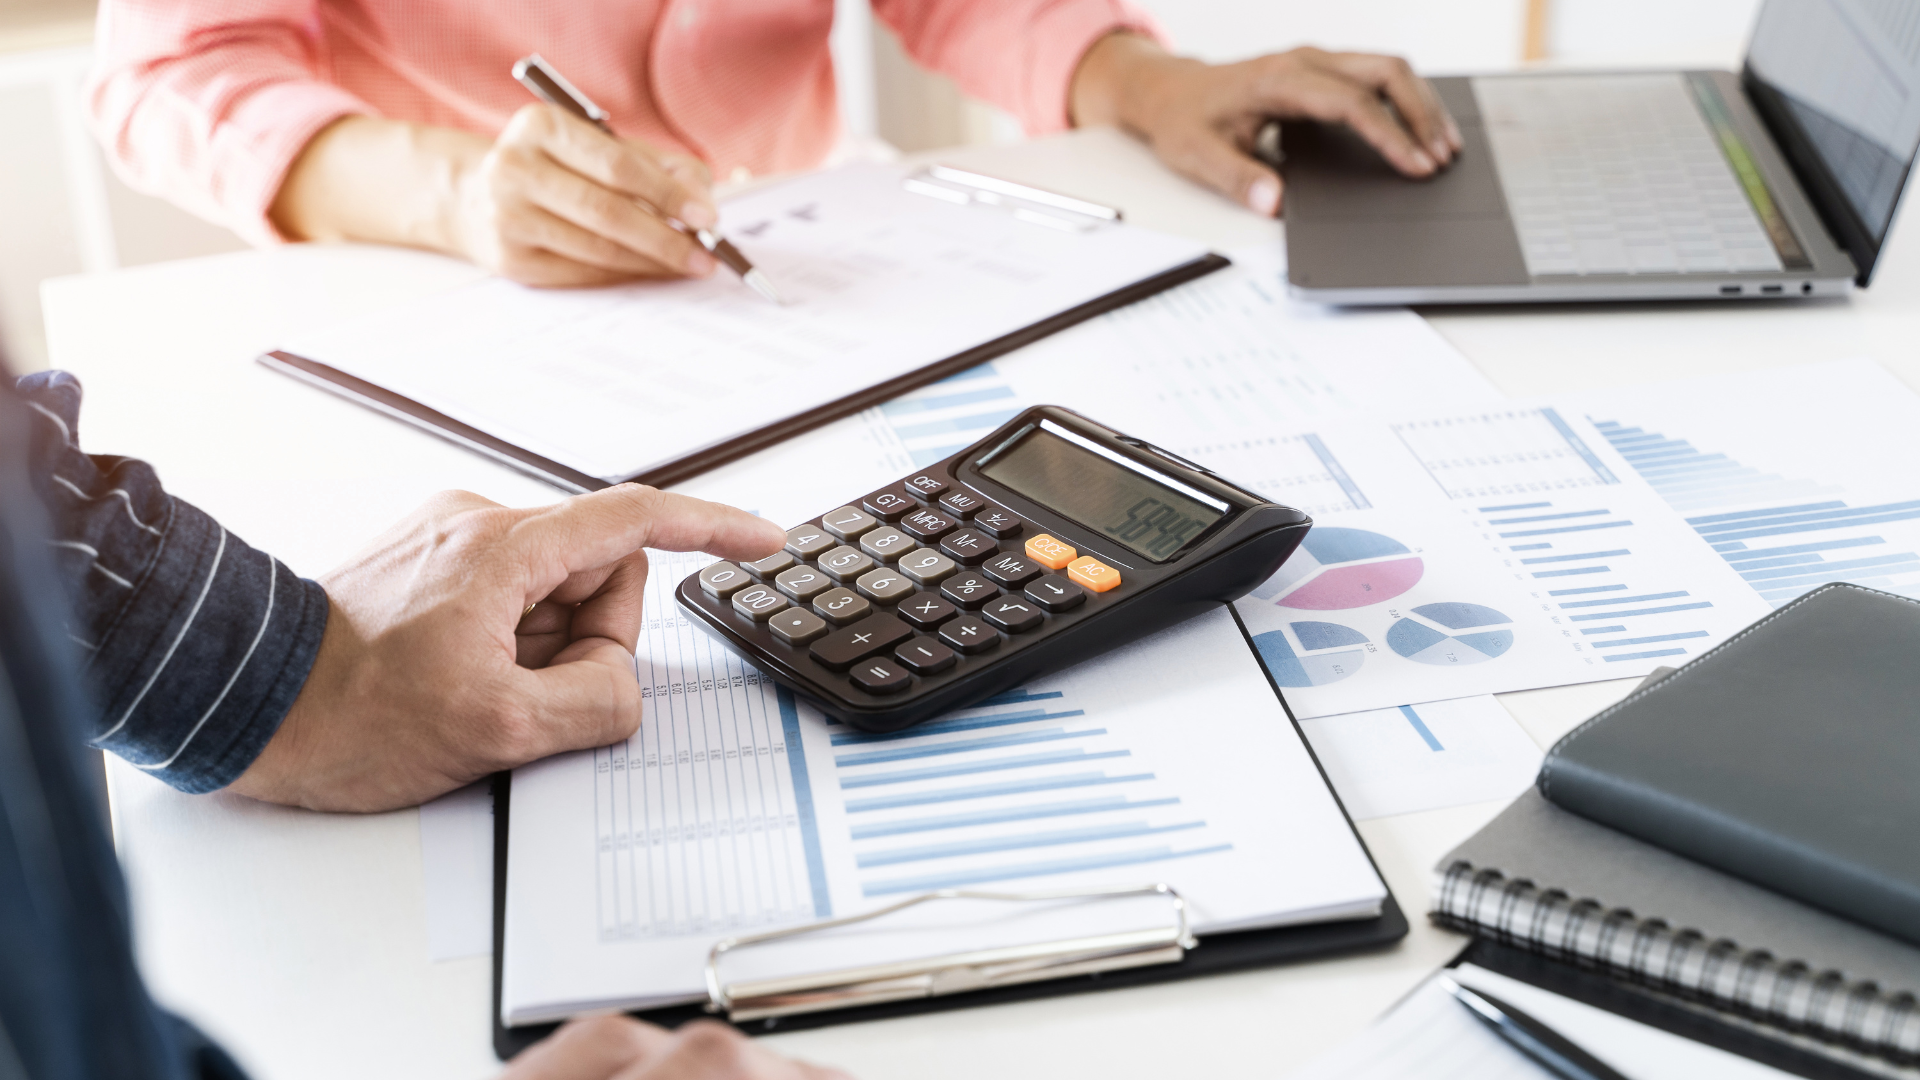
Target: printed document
x: 736, y: 808
x: 611, y: 381
x: 1578, y: 537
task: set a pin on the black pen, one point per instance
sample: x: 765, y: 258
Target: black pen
x: 1547, y: 1047
x: 550, y: 86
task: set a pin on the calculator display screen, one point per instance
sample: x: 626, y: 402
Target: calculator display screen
x: 1145, y: 517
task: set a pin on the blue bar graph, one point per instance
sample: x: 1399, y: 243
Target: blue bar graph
x: 870, y: 830
x: 1574, y: 558
x: 1769, y: 506
x: 963, y: 795
x: 1597, y: 577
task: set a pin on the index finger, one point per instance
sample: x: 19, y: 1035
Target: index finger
x: 1419, y: 105
x: 593, y: 530
x: 624, y: 166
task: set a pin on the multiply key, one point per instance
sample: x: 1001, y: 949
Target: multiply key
x: 840, y: 649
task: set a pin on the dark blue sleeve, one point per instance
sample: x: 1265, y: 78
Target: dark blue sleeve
x: 196, y: 643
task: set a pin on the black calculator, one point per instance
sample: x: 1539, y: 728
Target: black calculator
x: 1050, y: 541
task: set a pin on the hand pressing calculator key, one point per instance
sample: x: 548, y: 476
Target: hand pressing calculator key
x: 1050, y: 541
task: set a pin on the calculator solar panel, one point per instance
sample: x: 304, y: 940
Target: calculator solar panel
x: 1050, y: 541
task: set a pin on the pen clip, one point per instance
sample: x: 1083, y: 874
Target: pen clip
x: 1036, y: 206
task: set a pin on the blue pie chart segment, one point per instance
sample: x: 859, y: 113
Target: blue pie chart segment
x: 1419, y: 642
x: 1305, y: 666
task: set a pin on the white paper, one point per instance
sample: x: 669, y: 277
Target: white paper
x: 1229, y: 340
x: 1424, y: 757
x: 736, y: 809
x: 456, y: 862
x: 1579, y: 537
x: 1429, y: 1035
x: 879, y: 282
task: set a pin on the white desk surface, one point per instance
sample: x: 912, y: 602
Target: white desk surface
x: 299, y: 939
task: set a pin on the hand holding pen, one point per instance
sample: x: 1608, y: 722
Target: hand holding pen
x: 664, y: 218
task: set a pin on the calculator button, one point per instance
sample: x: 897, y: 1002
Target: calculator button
x: 845, y: 564
x: 797, y: 626
x: 925, y: 656
x: 1094, y: 574
x: 996, y: 521
x: 961, y: 503
x: 803, y: 583
x: 806, y: 541
x: 1056, y: 593
x: 926, y: 486
x: 1014, y: 614
x: 880, y: 676
x: 969, y: 636
x: 723, y: 579
x: 861, y: 640
x: 888, y: 504
x: 759, y: 603
x: 773, y: 564
x: 928, y: 567
x: 848, y: 523
x: 928, y: 524
x: 968, y: 547
x: 886, y: 545
x: 1009, y: 570
x: 927, y: 611
x: 842, y: 606
x: 885, y: 584
x: 968, y: 590
x: 1049, y: 552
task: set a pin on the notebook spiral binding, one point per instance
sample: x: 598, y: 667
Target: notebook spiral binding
x: 1718, y: 973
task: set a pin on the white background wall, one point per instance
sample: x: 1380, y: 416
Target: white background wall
x: 62, y: 212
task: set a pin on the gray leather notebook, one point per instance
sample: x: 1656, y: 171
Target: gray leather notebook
x: 1788, y: 756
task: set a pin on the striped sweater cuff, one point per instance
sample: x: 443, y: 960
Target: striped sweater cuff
x: 208, y: 655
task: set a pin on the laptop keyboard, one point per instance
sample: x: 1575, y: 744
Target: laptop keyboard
x: 1618, y: 174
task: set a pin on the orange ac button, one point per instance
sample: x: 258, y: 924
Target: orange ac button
x: 1049, y: 552
x: 1094, y: 574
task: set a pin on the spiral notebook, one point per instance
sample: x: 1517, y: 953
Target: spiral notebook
x: 1739, y: 832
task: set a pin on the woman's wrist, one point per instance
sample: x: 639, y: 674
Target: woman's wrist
x: 1118, y: 79
x: 380, y: 181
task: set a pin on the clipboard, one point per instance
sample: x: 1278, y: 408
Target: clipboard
x: 1211, y: 955
x: 1034, y: 205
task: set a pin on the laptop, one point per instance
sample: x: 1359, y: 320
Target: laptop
x: 1781, y: 181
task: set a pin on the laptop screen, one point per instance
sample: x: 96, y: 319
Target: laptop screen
x: 1843, y: 78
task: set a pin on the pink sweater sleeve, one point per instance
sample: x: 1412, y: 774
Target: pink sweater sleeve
x: 207, y: 102
x: 1017, y: 54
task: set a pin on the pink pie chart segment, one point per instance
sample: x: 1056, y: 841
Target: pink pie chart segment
x: 1339, y: 587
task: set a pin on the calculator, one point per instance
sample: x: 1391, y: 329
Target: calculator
x: 1051, y: 541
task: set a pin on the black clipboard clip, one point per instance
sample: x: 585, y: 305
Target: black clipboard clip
x: 954, y: 973
x: 1036, y: 206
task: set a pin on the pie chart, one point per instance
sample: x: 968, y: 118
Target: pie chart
x: 1320, y: 653
x: 1338, y: 568
x: 1419, y: 639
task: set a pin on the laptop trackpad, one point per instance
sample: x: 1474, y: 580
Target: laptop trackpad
x: 1353, y: 222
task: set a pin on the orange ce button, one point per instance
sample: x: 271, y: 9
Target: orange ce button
x: 1094, y: 574
x: 1049, y: 552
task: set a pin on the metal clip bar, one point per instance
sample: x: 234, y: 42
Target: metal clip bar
x: 1031, y: 204
x: 951, y: 974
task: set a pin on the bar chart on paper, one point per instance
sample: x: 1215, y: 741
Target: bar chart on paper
x: 1798, y: 537
x: 703, y: 820
x: 1022, y: 786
